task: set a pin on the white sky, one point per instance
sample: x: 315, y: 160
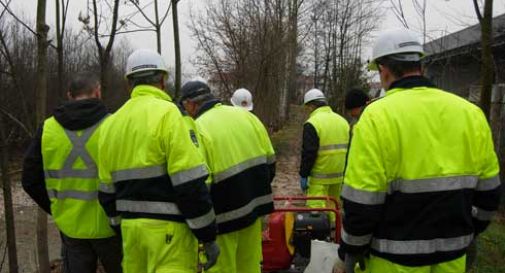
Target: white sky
x: 443, y: 16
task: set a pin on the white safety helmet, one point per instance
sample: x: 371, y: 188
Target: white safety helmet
x: 313, y: 94
x: 402, y: 44
x: 242, y: 98
x: 143, y: 62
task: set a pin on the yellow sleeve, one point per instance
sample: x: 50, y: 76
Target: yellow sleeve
x: 366, y: 171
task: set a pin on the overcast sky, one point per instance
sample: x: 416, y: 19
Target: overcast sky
x: 443, y: 16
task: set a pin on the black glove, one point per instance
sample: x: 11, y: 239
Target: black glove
x: 211, y: 252
x: 351, y: 260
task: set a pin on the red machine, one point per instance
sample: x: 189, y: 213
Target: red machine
x: 291, y: 228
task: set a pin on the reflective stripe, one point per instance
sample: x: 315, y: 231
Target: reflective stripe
x: 421, y: 246
x: 139, y: 173
x: 202, y: 221
x: 363, y: 197
x: 107, y: 188
x: 239, y: 168
x: 488, y: 184
x: 188, y: 175
x: 245, y: 210
x: 333, y: 147
x: 482, y: 215
x: 423, y: 185
x: 78, y: 151
x: 90, y: 173
x: 355, y: 240
x: 80, y: 195
x: 148, y: 207
x: 115, y: 221
x: 328, y: 175
x: 433, y: 184
x: 271, y: 159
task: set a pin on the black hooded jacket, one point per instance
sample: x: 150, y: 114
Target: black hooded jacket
x: 73, y: 115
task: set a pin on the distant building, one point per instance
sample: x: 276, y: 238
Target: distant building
x: 453, y: 61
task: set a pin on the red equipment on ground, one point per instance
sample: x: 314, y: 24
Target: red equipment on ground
x: 286, y: 225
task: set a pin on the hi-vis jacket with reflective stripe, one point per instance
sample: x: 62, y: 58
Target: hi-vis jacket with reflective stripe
x: 72, y: 180
x: 422, y: 176
x: 242, y: 164
x: 150, y: 167
x: 333, y: 133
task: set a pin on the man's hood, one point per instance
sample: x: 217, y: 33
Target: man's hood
x: 80, y: 114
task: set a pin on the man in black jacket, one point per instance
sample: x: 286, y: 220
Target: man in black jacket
x: 60, y: 175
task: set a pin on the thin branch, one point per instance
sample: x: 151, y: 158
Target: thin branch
x: 5, y: 10
x: 21, y: 22
x: 141, y: 10
x: 477, y: 10
x: 17, y: 19
x: 166, y: 13
x: 64, y: 16
x: 126, y: 31
x: 17, y: 121
x: 135, y: 24
x: 398, y: 12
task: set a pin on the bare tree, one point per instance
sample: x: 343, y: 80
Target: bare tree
x: 6, y: 179
x: 294, y: 7
x: 104, y: 52
x: 244, y: 44
x: 420, y: 8
x: 61, y: 19
x: 177, y: 48
x: 487, y: 63
x: 343, y: 26
x: 41, y: 102
x: 7, y: 195
x: 153, y: 25
x: 397, y: 8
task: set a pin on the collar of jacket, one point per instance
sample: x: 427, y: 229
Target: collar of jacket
x: 80, y: 114
x: 320, y: 110
x: 151, y: 91
x: 410, y: 82
x: 207, y: 106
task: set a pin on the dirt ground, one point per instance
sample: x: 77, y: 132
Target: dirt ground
x: 25, y: 213
x: 287, y: 143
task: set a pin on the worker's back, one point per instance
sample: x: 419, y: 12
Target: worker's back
x: 238, y: 153
x: 424, y: 154
x: 333, y: 133
x: 139, y: 124
x: 148, y: 159
x: 434, y: 133
x: 71, y: 178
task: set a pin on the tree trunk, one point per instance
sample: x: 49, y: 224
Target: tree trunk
x: 487, y: 68
x: 157, y: 26
x: 291, y: 60
x: 42, y: 29
x: 59, y: 50
x: 177, y: 47
x: 10, y: 229
x: 104, y: 52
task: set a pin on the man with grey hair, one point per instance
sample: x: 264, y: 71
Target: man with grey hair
x: 241, y: 161
x: 60, y: 174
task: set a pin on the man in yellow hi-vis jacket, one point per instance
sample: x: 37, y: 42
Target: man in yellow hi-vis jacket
x: 60, y: 174
x: 422, y: 176
x: 153, y: 177
x: 242, y: 164
x: 324, y: 149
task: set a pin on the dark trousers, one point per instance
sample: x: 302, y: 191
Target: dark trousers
x: 82, y: 255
